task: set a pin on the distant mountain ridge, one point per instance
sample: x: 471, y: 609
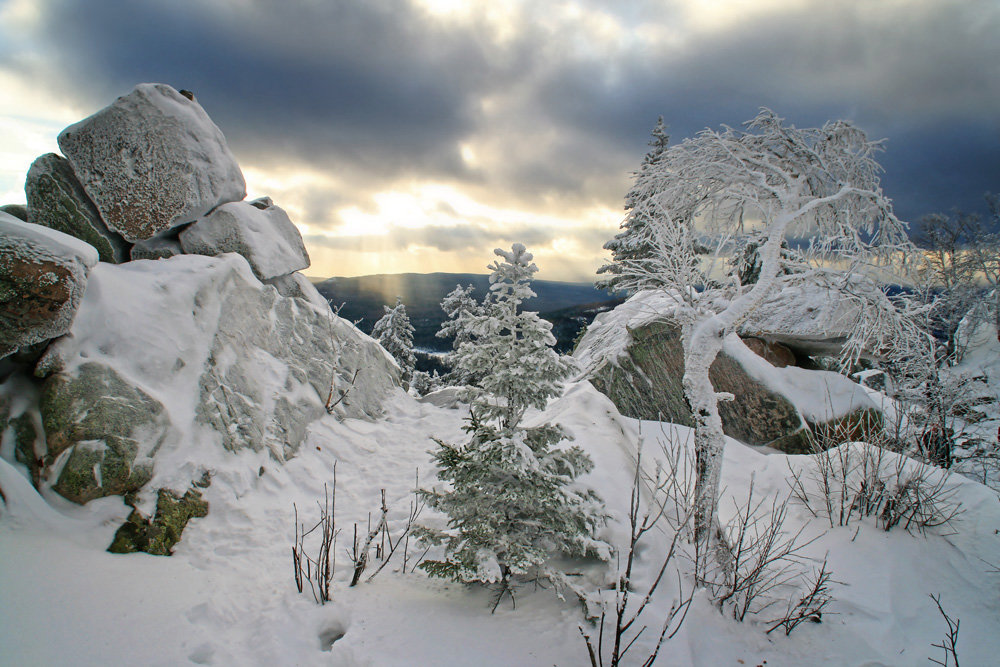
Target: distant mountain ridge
x: 568, y: 305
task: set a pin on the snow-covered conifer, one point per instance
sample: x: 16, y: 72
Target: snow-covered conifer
x: 511, y: 506
x: 632, y: 243
x: 511, y: 349
x: 395, y: 333
x: 460, y: 306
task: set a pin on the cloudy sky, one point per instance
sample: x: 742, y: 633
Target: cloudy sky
x: 417, y: 135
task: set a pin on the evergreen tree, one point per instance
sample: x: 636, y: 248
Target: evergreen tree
x: 460, y: 306
x: 395, y: 333
x: 510, y: 507
x: 511, y: 349
x: 632, y: 242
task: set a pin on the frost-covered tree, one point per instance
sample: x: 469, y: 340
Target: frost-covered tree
x: 509, y: 348
x: 511, y: 506
x: 459, y: 306
x: 395, y: 333
x: 631, y: 243
x: 703, y: 199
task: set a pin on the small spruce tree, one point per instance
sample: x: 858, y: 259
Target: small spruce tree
x: 511, y: 506
x: 460, y: 306
x: 395, y: 333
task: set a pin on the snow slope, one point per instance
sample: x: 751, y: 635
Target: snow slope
x: 227, y: 596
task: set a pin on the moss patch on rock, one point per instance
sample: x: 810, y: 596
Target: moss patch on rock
x: 159, y: 535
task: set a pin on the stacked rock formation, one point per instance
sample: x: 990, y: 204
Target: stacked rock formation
x: 194, y: 326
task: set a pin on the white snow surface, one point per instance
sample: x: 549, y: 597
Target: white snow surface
x: 45, y: 242
x: 227, y: 596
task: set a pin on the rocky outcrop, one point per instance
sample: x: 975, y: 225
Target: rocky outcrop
x: 221, y: 350
x: 810, y: 319
x: 152, y: 160
x: 57, y: 200
x: 158, y: 247
x: 634, y: 355
x: 259, y: 231
x: 43, y: 276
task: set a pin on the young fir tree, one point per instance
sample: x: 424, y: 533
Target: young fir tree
x: 631, y: 243
x: 511, y: 506
x: 395, y: 333
x: 460, y: 306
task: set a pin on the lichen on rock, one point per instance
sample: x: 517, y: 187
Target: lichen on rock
x: 161, y: 533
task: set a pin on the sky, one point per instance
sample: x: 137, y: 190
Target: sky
x: 417, y: 135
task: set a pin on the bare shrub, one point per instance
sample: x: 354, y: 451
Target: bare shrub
x: 859, y: 480
x: 381, y: 538
x: 810, y: 605
x: 949, y: 645
x: 317, y: 570
x: 765, y: 558
x: 670, y: 492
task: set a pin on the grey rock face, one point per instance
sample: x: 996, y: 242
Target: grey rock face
x: 57, y: 200
x: 152, y: 160
x: 43, y: 276
x: 158, y: 247
x: 19, y: 211
x: 646, y: 384
x: 258, y: 230
x: 109, y: 427
x: 311, y: 354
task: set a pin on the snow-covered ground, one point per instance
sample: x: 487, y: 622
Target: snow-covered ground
x: 227, y: 595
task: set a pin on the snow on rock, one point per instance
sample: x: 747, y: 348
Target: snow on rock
x: 151, y: 160
x: 43, y: 277
x: 258, y: 230
x: 634, y: 355
x: 57, y: 200
x: 214, y: 355
x: 810, y: 318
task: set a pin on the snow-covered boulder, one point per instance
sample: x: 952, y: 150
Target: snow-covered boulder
x: 43, y: 277
x: 811, y: 319
x: 151, y: 160
x: 258, y: 230
x: 634, y: 355
x: 229, y: 359
x: 57, y: 200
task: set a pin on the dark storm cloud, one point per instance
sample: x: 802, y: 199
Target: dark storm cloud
x: 380, y: 93
x: 332, y: 83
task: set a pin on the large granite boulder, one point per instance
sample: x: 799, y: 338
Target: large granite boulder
x: 57, y: 200
x: 229, y: 358
x: 152, y: 160
x: 258, y: 230
x: 43, y: 277
x: 634, y: 355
